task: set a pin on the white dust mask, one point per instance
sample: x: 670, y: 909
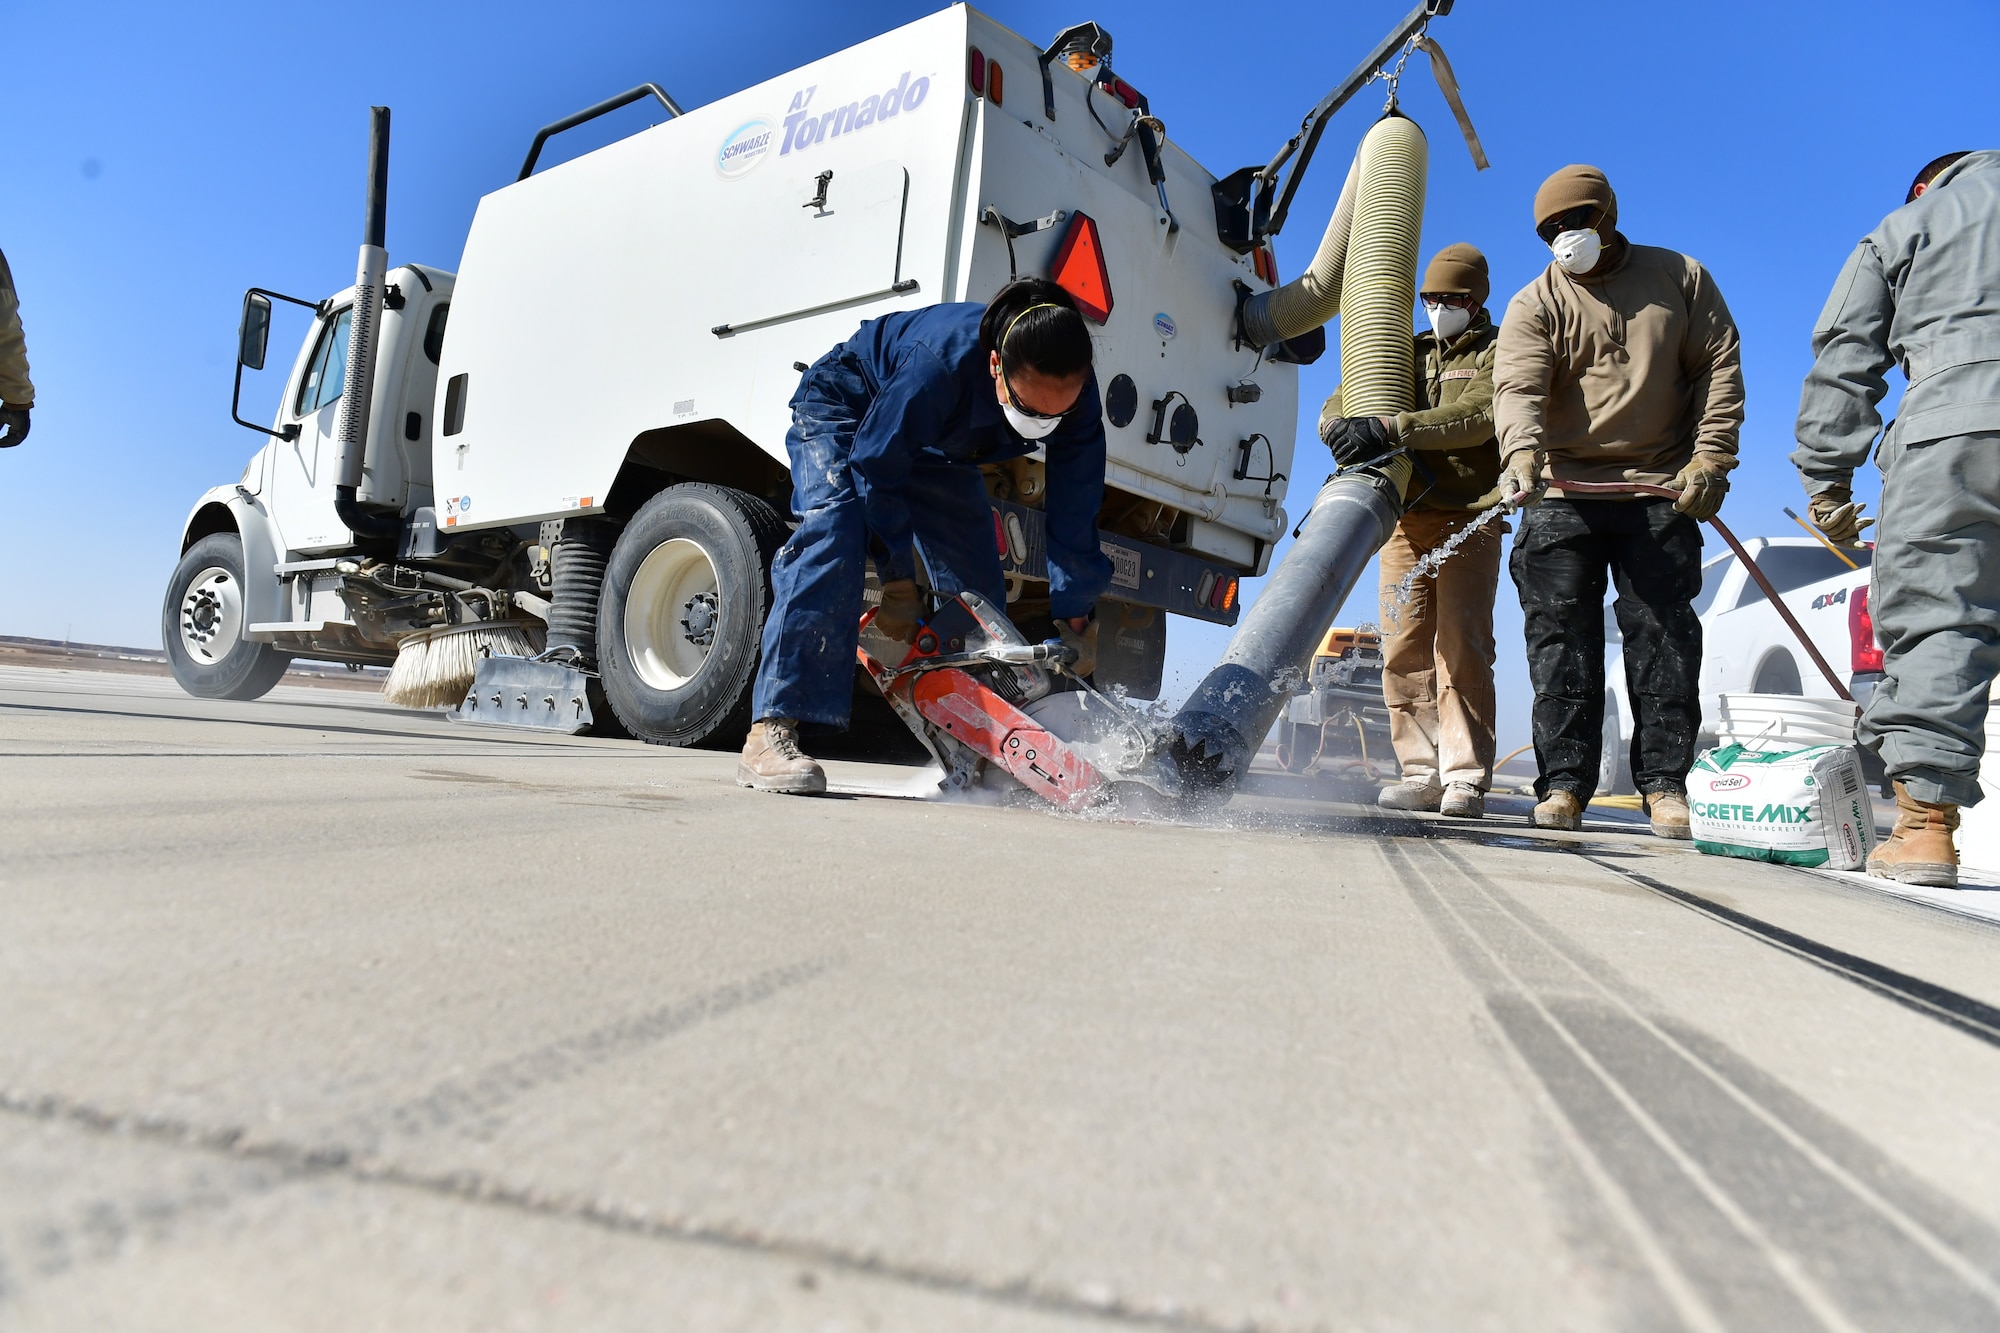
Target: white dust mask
x: 1578, y: 251
x: 1027, y: 427
x: 1447, y: 321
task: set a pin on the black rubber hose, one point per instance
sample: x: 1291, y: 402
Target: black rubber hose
x: 576, y: 573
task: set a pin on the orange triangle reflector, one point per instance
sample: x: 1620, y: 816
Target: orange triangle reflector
x: 1079, y: 268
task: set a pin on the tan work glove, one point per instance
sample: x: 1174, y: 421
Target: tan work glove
x: 1834, y: 513
x: 1702, y: 485
x: 902, y: 606
x: 1520, y: 483
x: 1084, y: 642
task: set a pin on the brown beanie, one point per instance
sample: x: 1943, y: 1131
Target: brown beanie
x: 1573, y: 187
x: 1458, y: 268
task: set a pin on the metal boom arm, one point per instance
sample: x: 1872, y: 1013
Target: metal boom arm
x: 1314, y: 124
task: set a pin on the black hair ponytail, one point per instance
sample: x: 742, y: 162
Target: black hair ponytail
x: 1034, y: 323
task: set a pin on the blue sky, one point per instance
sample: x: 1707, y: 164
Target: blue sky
x: 163, y: 158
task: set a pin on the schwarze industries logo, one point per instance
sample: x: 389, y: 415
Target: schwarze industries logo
x: 745, y: 148
x: 805, y: 127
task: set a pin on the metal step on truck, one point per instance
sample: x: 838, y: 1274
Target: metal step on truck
x: 581, y: 433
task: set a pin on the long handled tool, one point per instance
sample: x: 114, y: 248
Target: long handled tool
x: 1784, y: 612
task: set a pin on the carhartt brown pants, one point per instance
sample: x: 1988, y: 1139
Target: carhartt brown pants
x: 1437, y: 669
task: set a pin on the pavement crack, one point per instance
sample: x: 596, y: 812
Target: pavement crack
x: 295, y: 1161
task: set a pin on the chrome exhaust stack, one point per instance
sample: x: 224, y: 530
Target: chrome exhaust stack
x: 364, y: 334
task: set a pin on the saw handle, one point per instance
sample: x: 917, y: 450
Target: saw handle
x: 1026, y: 654
x: 1749, y: 565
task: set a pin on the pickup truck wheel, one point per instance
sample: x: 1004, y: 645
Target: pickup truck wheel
x: 681, y: 619
x: 1614, y: 759
x: 202, y: 624
x: 1778, y: 674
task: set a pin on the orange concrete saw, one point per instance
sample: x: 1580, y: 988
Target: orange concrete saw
x: 964, y: 688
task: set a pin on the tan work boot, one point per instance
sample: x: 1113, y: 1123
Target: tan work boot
x: 1462, y: 800
x: 772, y: 761
x: 1559, y: 809
x: 1669, y: 812
x: 1919, y: 849
x: 1410, y: 796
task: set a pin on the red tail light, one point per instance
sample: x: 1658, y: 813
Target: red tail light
x: 1121, y: 90
x: 1079, y: 268
x: 1265, y: 263
x: 1864, y: 655
x: 975, y: 70
x: 996, y: 83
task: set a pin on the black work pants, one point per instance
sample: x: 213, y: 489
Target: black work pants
x: 1559, y: 562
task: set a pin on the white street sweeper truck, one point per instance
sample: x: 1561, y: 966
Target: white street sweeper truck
x: 570, y: 454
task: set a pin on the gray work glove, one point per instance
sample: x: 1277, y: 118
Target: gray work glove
x: 1520, y: 483
x: 1702, y: 485
x: 1085, y: 644
x: 902, y: 609
x: 1834, y: 513
x: 15, y: 419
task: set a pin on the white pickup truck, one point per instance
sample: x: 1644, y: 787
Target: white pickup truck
x: 1747, y: 647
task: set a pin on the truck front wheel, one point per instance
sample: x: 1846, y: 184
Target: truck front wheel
x: 681, y: 618
x: 203, y: 621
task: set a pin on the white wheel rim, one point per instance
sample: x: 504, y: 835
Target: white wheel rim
x: 211, y: 615
x: 672, y: 614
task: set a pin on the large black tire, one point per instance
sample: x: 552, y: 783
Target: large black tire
x: 681, y: 619
x: 202, y: 624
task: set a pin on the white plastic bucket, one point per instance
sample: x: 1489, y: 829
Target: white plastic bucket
x: 1784, y: 721
x: 1979, y: 831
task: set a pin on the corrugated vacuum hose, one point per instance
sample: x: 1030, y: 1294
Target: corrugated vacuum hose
x: 1372, y: 264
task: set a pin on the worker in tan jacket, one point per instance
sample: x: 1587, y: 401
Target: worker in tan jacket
x: 1437, y: 650
x: 17, y: 392
x: 1621, y: 364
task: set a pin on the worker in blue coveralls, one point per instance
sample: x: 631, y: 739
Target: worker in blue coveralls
x: 889, y: 430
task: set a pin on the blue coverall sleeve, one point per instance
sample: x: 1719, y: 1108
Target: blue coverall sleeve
x: 1838, y: 409
x: 909, y: 412
x: 1078, y: 571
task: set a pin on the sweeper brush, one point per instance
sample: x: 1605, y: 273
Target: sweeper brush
x: 434, y: 668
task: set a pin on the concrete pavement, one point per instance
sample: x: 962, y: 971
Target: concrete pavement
x: 322, y: 1015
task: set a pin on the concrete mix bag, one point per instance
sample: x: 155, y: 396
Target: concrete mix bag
x: 1794, y: 807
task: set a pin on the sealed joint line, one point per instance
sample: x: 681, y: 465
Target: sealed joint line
x: 1616, y: 991
x: 1973, y: 1017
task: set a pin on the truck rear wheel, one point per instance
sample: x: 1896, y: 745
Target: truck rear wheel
x: 203, y: 621
x: 681, y: 619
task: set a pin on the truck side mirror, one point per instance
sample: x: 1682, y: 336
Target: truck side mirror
x: 253, y: 335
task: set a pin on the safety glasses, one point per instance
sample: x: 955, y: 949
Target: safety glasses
x: 1584, y: 217
x: 1015, y: 400
x: 1456, y: 300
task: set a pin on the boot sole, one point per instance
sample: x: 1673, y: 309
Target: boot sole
x: 1556, y: 825
x: 810, y: 784
x: 1924, y: 874
x: 1682, y: 831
